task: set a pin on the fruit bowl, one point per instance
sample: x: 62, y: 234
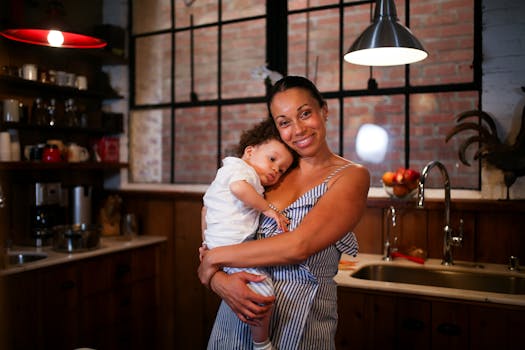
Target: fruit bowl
x: 397, y: 194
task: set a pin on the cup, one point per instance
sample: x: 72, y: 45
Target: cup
x: 51, y: 154
x: 15, y: 145
x: 61, y: 78
x: 76, y: 153
x: 5, y: 146
x: 11, y: 110
x: 81, y: 82
x: 36, y: 151
x: 59, y: 144
x: 29, y: 71
x: 71, y: 79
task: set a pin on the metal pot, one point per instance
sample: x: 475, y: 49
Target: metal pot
x: 76, y: 238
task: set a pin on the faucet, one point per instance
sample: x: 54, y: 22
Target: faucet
x: 449, y: 239
x: 388, y: 249
x: 2, y: 198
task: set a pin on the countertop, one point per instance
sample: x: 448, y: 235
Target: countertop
x: 107, y: 245
x: 350, y: 264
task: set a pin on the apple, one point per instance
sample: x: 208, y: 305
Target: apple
x: 411, y: 175
x: 399, y: 175
x: 400, y: 190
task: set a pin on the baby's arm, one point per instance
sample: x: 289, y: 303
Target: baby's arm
x: 245, y: 192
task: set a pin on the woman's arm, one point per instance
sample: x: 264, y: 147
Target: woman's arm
x: 337, y: 212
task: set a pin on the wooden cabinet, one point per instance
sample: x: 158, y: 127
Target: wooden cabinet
x: 375, y: 320
x: 106, y: 302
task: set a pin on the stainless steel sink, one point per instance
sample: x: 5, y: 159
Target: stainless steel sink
x: 447, y: 278
x: 20, y: 258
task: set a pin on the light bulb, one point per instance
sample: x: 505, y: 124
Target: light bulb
x: 55, y: 38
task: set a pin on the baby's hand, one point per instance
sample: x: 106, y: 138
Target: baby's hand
x: 281, y: 220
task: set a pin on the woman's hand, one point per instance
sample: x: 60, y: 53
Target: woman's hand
x: 249, y: 306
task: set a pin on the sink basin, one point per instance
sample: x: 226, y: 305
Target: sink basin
x: 447, y: 278
x: 20, y: 258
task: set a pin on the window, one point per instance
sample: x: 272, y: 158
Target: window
x: 193, y: 91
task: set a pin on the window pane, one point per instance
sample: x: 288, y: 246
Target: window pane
x: 151, y: 15
x: 149, y: 144
x: 152, y: 69
x: 243, y: 50
x: 313, y: 47
x: 446, y: 29
x: 234, y: 9
x: 203, y: 11
x: 387, y: 112
x: 432, y: 116
x: 301, y: 4
x: 204, y: 63
x: 195, y: 145
x: 355, y: 77
x: 332, y: 125
x: 237, y: 118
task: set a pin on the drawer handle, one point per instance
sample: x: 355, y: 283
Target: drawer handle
x: 122, y: 270
x: 449, y: 329
x: 413, y: 324
x: 67, y: 285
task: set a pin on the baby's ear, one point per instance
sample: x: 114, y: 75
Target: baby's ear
x: 248, y: 151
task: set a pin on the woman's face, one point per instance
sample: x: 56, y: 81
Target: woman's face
x: 300, y: 120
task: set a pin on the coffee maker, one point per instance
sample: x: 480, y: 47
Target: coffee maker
x: 47, y: 210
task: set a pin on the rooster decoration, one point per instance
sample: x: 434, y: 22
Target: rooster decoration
x: 508, y: 158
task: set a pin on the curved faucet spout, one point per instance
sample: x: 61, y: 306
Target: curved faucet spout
x: 448, y: 238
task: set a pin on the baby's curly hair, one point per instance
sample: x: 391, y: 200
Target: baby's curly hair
x: 260, y: 133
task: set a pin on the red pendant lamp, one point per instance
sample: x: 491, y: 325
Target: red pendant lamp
x: 52, y: 31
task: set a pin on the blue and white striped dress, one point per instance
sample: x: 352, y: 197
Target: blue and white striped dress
x: 305, y: 312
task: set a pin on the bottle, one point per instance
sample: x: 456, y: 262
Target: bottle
x: 70, y: 113
x: 52, y: 113
x: 39, y: 112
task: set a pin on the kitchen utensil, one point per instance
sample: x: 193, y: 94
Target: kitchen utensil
x: 11, y: 110
x: 29, y: 71
x: 5, y: 146
x: 76, y: 153
x: 76, y: 238
x: 81, y: 204
x: 51, y: 154
x: 408, y: 257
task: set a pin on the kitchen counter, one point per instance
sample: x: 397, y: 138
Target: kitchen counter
x: 350, y: 264
x: 107, y: 245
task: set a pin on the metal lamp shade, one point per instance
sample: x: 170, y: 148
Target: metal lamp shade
x: 386, y: 42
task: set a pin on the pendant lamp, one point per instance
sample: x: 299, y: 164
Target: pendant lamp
x: 52, y: 31
x: 386, y: 42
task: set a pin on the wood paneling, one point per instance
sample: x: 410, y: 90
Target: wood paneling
x: 493, y: 230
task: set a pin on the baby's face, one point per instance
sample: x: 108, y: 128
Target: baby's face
x: 270, y: 160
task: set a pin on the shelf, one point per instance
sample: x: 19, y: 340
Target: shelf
x: 61, y: 166
x: 63, y: 129
x: 51, y: 88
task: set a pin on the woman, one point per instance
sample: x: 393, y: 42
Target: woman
x: 324, y: 197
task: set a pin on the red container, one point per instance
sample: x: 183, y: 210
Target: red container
x: 51, y: 154
x: 107, y: 149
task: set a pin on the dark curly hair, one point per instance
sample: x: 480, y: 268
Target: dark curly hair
x: 259, y: 134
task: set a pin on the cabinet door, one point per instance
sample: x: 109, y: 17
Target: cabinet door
x: 61, y: 311
x: 413, y: 322
x: 21, y: 312
x: 449, y: 326
x: 352, y: 326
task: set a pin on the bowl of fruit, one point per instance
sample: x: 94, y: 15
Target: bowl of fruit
x: 401, y: 184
